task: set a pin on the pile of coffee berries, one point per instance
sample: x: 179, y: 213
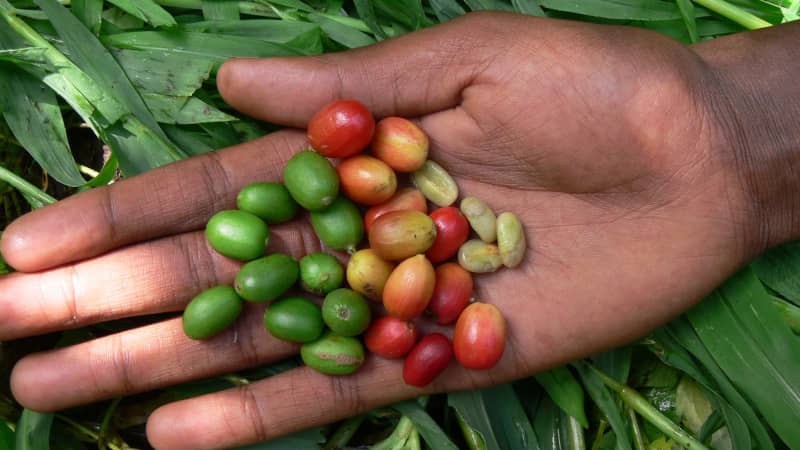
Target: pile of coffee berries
x: 415, y: 260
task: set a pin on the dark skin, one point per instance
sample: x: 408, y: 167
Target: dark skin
x: 645, y: 173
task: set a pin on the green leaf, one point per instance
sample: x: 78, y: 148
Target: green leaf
x: 303, y: 36
x: 565, y: 391
x: 343, y: 34
x: 779, y: 268
x: 555, y: 429
x: 409, y: 13
x: 90, y: 55
x: 488, y: 5
x: 183, y: 110
x: 296, y: 4
x: 511, y: 426
x: 366, y: 10
x: 470, y: 406
x: 215, y: 47
x: 90, y: 12
x: 164, y: 73
x: 427, y: 427
x: 446, y: 9
x: 33, y: 431
x: 607, y: 404
x: 789, y: 312
x: 687, y: 13
x: 193, y: 142
x: 616, y: 363
x: 35, y: 196
x: 280, y: 31
x: 221, y: 9
x: 304, y: 440
x: 99, y: 110
x: 146, y: 10
x: 223, y: 134
x: 7, y: 437
x: 106, y: 174
x: 116, y: 20
x: 617, y: 9
x: 755, y: 348
x: 547, y: 423
x: 33, y: 115
x: 691, y: 404
x: 714, y: 422
x: 679, y: 335
x: 528, y: 7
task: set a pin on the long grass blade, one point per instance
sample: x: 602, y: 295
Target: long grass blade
x: 33, y: 430
x: 33, y: 115
x: 343, y: 34
x: 90, y: 12
x: 779, y: 268
x: 734, y: 13
x: 565, y: 391
x: 212, y: 47
x: 644, y: 10
x: 446, y: 9
x: 158, y: 72
x: 530, y: 7
x: 221, y: 10
x: 184, y: 110
x: 430, y: 431
x: 90, y: 55
x: 511, y: 426
x: 674, y: 354
x: 146, y: 10
x: 754, y: 347
x: 35, y: 196
x: 688, y: 13
x: 639, y: 404
x: 470, y: 406
x: 597, y: 390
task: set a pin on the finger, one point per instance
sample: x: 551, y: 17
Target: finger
x: 169, y: 200
x: 295, y: 400
x: 150, y: 357
x: 412, y: 75
x: 149, y: 278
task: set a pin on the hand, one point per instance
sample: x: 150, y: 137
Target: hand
x: 600, y: 138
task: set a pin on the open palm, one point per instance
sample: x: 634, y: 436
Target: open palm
x: 592, y: 135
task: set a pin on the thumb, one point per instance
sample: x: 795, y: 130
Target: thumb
x: 412, y: 75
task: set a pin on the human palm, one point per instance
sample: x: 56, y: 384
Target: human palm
x: 593, y: 135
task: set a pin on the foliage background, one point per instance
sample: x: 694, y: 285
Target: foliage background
x: 130, y: 86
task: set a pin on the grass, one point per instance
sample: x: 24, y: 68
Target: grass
x: 681, y: 386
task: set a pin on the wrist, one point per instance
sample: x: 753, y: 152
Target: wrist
x: 755, y: 106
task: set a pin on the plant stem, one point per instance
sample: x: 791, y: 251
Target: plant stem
x: 85, y: 431
x: 88, y: 171
x: 344, y: 433
x: 638, y: 436
x: 25, y: 187
x: 413, y: 442
x: 24, y: 30
x: 577, y: 440
x: 640, y: 404
x: 78, y: 427
x: 601, y: 429
x: 399, y: 436
x: 236, y: 380
x: 790, y: 314
x: 734, y: 13
x: 101, y: 438
x: 473, y: 438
